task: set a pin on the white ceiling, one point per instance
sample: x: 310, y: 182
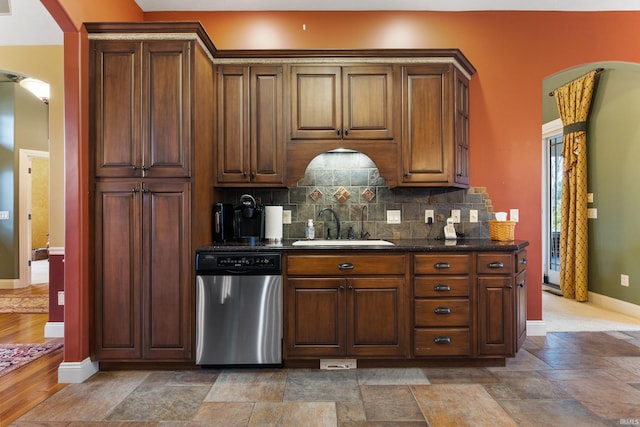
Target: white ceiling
x: 29, y: 23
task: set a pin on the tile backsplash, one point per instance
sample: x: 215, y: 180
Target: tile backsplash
x: 350, y: 183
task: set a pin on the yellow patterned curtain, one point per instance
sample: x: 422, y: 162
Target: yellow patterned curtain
x: 574, y: 100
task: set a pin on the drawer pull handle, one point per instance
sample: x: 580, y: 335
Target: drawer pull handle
x: 497, y: 264
x: 346, y: 266
x: 442, y: 340
x: 439, y: 265
x: 442, y: 288
x: 442, y: 310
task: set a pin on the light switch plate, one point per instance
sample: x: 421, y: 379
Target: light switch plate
x: 455, y: 215
x: 393, y: 217
x: 589, y: 197
x: 60, y: 297
x: 592, y: 213
x: 473, y: 215
x: 286, y: 217
x: 514, y: 215
x: 4, y: 214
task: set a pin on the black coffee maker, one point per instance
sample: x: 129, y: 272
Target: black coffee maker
x: 249, y: 220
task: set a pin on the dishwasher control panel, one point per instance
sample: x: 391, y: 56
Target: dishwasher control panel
x: 217, y: 263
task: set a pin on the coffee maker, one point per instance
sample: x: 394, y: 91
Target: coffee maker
x: 249, y: 220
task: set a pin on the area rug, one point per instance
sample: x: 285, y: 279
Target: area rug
x: 13, y: 356
x: 24, y: 304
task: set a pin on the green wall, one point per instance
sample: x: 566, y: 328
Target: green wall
x: 613, y: 173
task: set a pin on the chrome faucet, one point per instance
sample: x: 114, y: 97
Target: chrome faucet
x: 335, y: 216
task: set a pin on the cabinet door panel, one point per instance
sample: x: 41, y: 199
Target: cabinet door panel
x: 166, y: 92
x: 521, y: 309
x: 368, y: 102
x: 495, y: 315
x: 116, y: 91
x: 167, y: 291
x: 461, y: 129
x: 315, y: 103
x: 427, y: 139
x: 267, y: 142
x: 315, y: 317
x: 233, y: 139
x: 375, y: 320
x: 118, y: 275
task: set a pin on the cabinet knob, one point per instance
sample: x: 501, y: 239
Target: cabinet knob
x: 346, y: 266
x: 441, y: 265
x: 442, y: 310
x: 406, y: 174
x: 442, y: 288
x: 442, y: 340
x: 523, y: 261
x: 341, y: 287
x: 346, y: 132
x: 144, y: 168
x: 495, y: 265
x: 134, y: 190
x: 253, y: 174
x: 509, y: 287
x: 521, y: 284
x: 135, y: 167
x: 244, y: 173
x: 338, y: 132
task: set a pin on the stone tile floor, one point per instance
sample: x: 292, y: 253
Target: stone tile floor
x: 564, y: 378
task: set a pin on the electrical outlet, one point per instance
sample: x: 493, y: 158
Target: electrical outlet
x: 393, y: 217
x: 428, y: 216
x: 514, y: 215
x: 624, y: 280
x: 286, y: 217
x: 473, y: 215
x: 592, y: 213
x: 455, y: 215
x: 4, y: 214
x: 60, y: 297
x: 589, y: 197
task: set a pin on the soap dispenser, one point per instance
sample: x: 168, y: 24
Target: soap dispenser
x: 310, y: 231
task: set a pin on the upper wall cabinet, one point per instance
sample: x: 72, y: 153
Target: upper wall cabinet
x: 435, y: 126
x: 134, y: 138
x: 332, y: 102
x: 250, y: 143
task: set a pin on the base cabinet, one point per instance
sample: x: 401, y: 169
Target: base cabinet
x: 143, y: 288
x: 346, y: 312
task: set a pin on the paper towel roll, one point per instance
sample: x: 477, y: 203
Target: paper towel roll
x: 273, y: 223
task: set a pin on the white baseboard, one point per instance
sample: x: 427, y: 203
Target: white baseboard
x: 536, y: 328
x: 76, y: 372
x: 54, y: 330
x: 619, y: 306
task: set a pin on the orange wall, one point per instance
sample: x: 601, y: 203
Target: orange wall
x: 512, y: 51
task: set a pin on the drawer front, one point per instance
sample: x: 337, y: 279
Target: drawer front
x: 521, y: 261
x: 495, y: 263
x: 441, y: 286
x: 442, y: 342
x: 441, y: 312
x: 345, y: 265
x: 441, y: 264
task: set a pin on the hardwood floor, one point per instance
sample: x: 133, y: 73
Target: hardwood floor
x: 24, y: 388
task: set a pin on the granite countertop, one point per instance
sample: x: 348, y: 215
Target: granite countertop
x: 403, y: 245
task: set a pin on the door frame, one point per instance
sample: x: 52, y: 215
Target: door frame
x: 24, y: 205
x: 549, y: 129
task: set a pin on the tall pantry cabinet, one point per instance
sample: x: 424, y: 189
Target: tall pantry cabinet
x: 152, y: 133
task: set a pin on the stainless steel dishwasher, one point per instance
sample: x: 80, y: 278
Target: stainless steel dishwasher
x: 238, y: 308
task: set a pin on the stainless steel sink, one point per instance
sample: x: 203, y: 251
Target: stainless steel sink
x: 322, y: 242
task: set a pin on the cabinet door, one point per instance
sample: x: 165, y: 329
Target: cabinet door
x: 376, y: 317
x: 427, y: 137
x: 521, y: 309
x: 367, y: 102
x: 461, y: 94
x: 495, y: 316
x: 267, y: 140
x: 118, y: 271
x: 315, y: 102
x: 315, y: 317
x: 165, y: 109
x: 166, y: 271
x: 116, y: 129
x: 233, y: 160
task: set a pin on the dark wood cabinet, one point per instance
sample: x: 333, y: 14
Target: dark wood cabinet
x: 434, y: 149
x: 250, y: 121
x: 442, y: 305
x: 152, y: 106
x: 133, y: 138
x: 349, y: 102
x: 142, y: 303
x: 346, y: 308
x: 502, y: 318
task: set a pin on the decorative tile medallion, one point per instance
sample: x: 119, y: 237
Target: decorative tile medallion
x: 315, y: 194
x: 368, y: 195
x: 342, y: 195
